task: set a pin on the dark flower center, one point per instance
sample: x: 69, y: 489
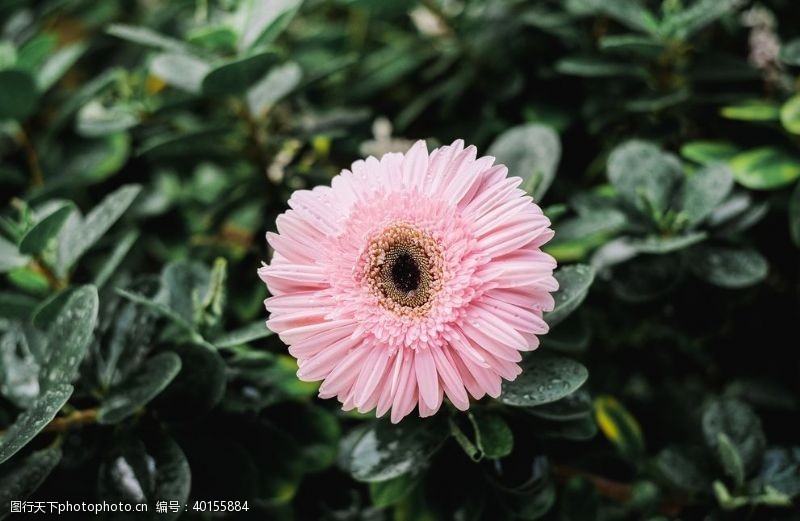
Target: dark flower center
x: 405, y: 272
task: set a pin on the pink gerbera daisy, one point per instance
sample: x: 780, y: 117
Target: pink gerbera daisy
x: 409, y: 278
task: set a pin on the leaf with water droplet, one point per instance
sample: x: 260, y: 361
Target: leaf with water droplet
x: 31, y: 421
x: 69, y: 335
x: 573, y: 285
x: 544, y: 379
x: 727, y: 267
x: 20, y: 479
x: 38, y: 237
x: 139, y: 388
x: 532, y: 152
x: 386, y: 451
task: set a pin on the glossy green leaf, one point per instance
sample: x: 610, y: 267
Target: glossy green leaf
x: 753, y: 110
x: 96, y: 120
x: 31, y: 421
x: 265, y: 20
x: 97, y: 159
x: 597, y: 67
x: 730, y: 459
x: 276, y: 84
x: 644, y: 176
x: 147, y: 382
x: 10, y: 257
x: 532, y: 152
x: 255, y: 331
x: 704, y: 190
x: 727, y: 267
x: 574, y: 406
x: 238, y: 75
x: 76, y: 238
x: 37, y: 238
x: 544, y: 379
x: 790, y: 114
x: 147, y: 37
x: 182, y: 71
x: 573, y: 286
x: 387, y: 493
x: 20, y: 479
x: 740, y: 425
x: 709, y: 152
x: 386, y: 451
x: 58, y: 64
x: 19, y: 97
x: 69, y: 336
x: 19, y: 367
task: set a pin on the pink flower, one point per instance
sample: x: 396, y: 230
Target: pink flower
x: 409, y: 278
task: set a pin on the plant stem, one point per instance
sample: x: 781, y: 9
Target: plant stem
x: 73, y: 419
x: 37, y: 179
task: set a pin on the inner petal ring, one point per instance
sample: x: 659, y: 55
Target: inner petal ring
x: 404, y: 269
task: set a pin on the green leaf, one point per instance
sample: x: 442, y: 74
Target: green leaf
x: 180, y: 70
x: 146, y: 472
x: 794, y: 215
x: 237, y: 75
x: 644, y: 176
x: 632, y: 44
x: 698, y: 15
x: 387, y: 493
x: 752, y: 110
x: 95, y: 160
x: 147, y: 37
x: 704, y: 190
x: 244, y: 335
x: 69, y: 336
x: 10, y: 257
x: 740, y: 425
x: 31, y: 421
x: 631, y: 13
x: 386, y: 451
x: 573, y: 285
x: 184, y: 284
x: 659, y: 245
x: 19, y: 97
x: 709, y: 152
x: 162, y: 309
x: 544, y: 379
x: 198, y: 387
x: 574, y: 406
x: 619, y: 427
x: 730, y: 459
x: 683, y: 469
x: 780, y: 469
x: 727, y: 267
x: 263, y: 21
x: 276, y: 84
x: 58, y: 64
x: 493, y: 436
x: 19, y: 367
x: 646, y: 277
x: 532, y: 152
x: 20, y: 479
x: 790, y: 52
x: 115, y: 258
x: 77, y: 238
x: 37, y: 238
x: 96, y: 120
x: 147, y: 382
x: 790, y: 114
x: 597, y: 67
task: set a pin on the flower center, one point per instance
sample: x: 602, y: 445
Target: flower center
x: 404, y: 269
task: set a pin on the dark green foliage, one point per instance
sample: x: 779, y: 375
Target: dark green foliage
x: 146, y: 146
